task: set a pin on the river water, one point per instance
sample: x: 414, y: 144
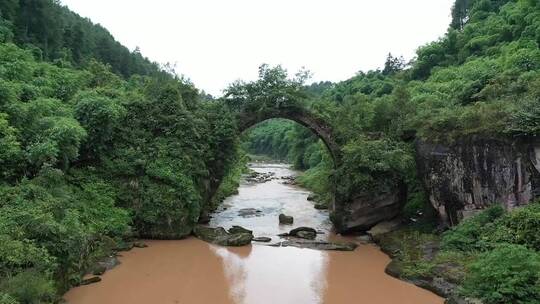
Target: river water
x: 191, y: 271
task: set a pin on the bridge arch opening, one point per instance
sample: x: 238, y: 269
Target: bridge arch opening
x: 316, y: 125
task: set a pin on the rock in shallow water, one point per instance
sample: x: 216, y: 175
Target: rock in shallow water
x: 139, y: 245
x: 248, y: 212
x: 285, y: 219
x: 304, y: 233
x: 239, y: 229
x: 263, y: 239
x: 318, y: 245
x: 220, y: 236
x: 91, y: 280
x: 99, y: 270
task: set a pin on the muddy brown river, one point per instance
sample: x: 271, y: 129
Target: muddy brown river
x: 191, y: 271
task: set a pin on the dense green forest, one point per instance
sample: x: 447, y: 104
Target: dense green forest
x: 54, y: 33
x: 99, y: 145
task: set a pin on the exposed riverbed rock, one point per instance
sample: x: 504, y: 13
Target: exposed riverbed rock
x: 475, y: 172
x: 239, y: 229
x: 364, y: 239
x: 288, y: 180
x: 318, y: 245
x: 263, y: 239
x: 249, y: 212
x: 89, y: 281
x: 384, y: 227
x: 99, y: 270
x: 139, y: 245
x: 304, y: 233
x: 105, y: 264
x: 220, y: 236
x: 124, y: 246
x: 257, y: 177
x: 285, y: 219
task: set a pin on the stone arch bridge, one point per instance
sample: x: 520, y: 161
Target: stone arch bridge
x: 350, y: 212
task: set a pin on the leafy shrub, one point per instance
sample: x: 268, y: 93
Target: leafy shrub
x: 369, y: 164
x: 520, y: 226
x: 494, y: 226
x: 468, y: 234
x: 17, y: 255
x: 526, y: 120
x: 30, y: 287
x: 507, y: 274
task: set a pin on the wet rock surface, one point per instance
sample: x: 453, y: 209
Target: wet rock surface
x: 139, y: 245
x: 285, y: 219
x: 239, y: 229
x: 364, y: 239
x: 288, y: 180
x: 248, y: 212
x: 89, y: 281
x: 262, y: 239
x: 384, y: 227
x: 105, y: 264
x: 99, y: 270
x: 258, y: 177
x: 220, y: 236
x: 317, y: 245
x: 303, y: 232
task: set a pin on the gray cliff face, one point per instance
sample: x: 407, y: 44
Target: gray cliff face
x: 475, y: 173
x: 366, y: 209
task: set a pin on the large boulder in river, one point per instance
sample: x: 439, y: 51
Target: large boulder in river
x: 304, y: 233
x: 285, y: 219
x: 220, y: 236
x: 239, y: 229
